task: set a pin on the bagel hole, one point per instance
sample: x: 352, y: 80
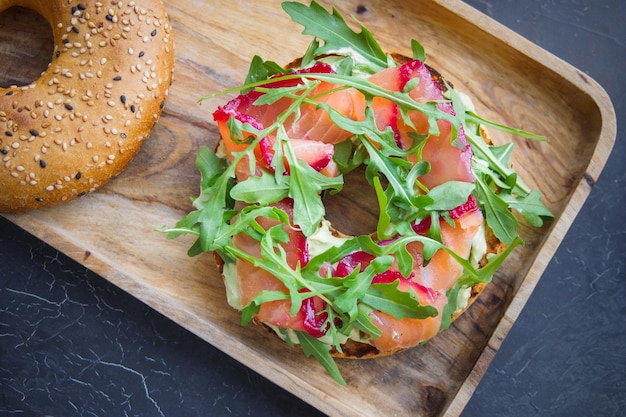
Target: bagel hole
x: 26, y: 46
x: 354, y: 210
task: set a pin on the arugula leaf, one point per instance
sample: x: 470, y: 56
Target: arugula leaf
x: 260, y: 71
x: 336, y: 34
x: 531, y: 207
x: 498, y: 216
x: 384, y: 219
x: 418, y: 50
x: 305, y: 186
x: 263, y: 189
x: 399, y: 304
x: 451, y: 307
x: 321, y: 351
x: 449, y: 195
x: 364, y: 323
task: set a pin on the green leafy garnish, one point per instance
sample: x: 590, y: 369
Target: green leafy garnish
x: 255, y: 205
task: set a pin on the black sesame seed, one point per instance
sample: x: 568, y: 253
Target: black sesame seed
x: 66, y: 41
x: 75, y: 29
x: 154, y: 32
x: 132, y: 108
x: 109, y: 18
x: 123, y: 135
x: 39, y: 199
x: 69, y: 107
x: 123, y: 99
x: 141, y: 53
x: 8, y: 133
x: 74, y: 10
x: 360, y: 9
x: 58, y: 54
x: 118, y: 78
x: 162, y: 104
x: 78, y: 175
x: 81, y: 194
x: 81, y: 6
x: 42, y: 163
x: 9, y: 93
x: 4, y: 151
x: 34, y: 132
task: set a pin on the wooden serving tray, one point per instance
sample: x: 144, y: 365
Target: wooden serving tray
x: 513, y: 82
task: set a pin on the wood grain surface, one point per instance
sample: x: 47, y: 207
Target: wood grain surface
x: 512, y: 81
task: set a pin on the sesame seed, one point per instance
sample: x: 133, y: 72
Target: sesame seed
x: 118, y: 78
x: 123, y: 99
x: 8, y: 133
x: 141, y: 54
x: 42, y: 163
x: 34, y: 132
x: 4, y: 151
x: 78, y: 175
x: 154, y: 32
x: 69, y: 107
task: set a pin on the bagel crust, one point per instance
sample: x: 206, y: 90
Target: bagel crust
x: 83, y: 120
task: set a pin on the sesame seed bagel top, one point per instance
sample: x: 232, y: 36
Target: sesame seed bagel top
x: 84, y: 119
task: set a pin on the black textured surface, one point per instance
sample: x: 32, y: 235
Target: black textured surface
x: 71, y: 344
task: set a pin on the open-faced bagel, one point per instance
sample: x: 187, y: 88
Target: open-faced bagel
x: 249, y: 281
